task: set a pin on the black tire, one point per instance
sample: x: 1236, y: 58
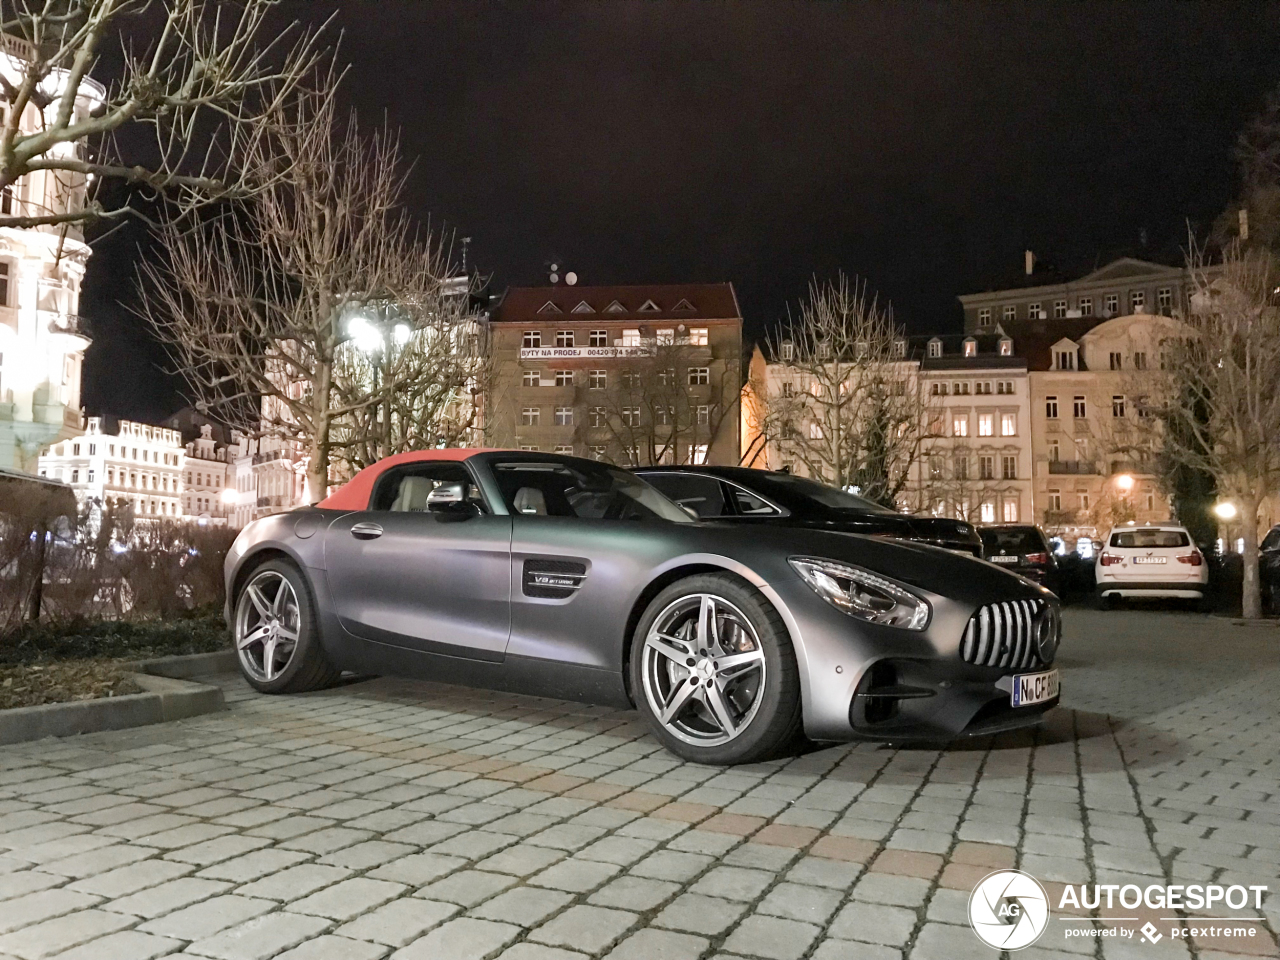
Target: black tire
x: 775, y: 726
x: 308, y: 668
x: 1106, y: 603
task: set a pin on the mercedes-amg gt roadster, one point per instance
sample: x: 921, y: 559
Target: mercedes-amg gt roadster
x: 567, y: 578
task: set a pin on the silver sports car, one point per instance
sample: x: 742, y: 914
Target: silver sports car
x: 572, y: 579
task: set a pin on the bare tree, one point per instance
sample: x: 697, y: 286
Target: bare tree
x: 1216, y: 394
x: 661, y: 406
x: 849, y: 404
x: 948, y: 477
x: 268, y: 305
x: 201, y: 85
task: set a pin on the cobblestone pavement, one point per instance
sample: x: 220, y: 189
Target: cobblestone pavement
x: 424, y: 822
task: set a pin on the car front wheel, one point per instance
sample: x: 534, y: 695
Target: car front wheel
x: 714, y: 673
x: 277, y: 641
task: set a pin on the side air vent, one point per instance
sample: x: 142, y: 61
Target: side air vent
x: 553, y: 579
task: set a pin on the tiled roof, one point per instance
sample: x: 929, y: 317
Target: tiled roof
x: 639, y: 303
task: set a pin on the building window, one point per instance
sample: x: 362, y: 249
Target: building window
x: 1033, y: 311
x: 935, y: 348
x: 1010, y: 511
x: 1008, y: 424
x: 984, y: 316
x: 1085, y: 306
x: 564, y: 416
x: 962, y: 389
x: 597, y: 379
x: 988, y: 512
x: 703, y: 415
x: 1139, y: 360
x: 564, y: 378
x: 698, y: 336
x: 815, y: 431
x: 938, y: 389
x: 75, y: 476
x: 565, y: 449
x: 1151, y: 501
x: 598, y: 338
x: 1051, y: 408
x: 532, y: 378
x: 665, y: 337
x: 1059, y: 309
x: 960, y: 468
x: 986, y: 425
x: 1117, y: 406
x: 664, y: 415
x: 1009, y: 467
x: 1117, y: 361
x: 596, y: 452
x: 788, y: 389
x: 1164, y: 300
x: 960, y: 425
x: 971, y: 348
x: 698, y: 453
x: 1137, y: 301
x: 982, y: 387
x: 1078, y: 408
x: 1055, y: 501
x: 1005, y: 388
x: 89, y: 476
x: 1112, y: 304
x: 631, y: 416
x: 631, y: 337
x: 986, y: 468
x: 93, y: 449
x: 1064, y: 359
x: 597, y: 417
x: 75, y: 449
x: 530, y: 416
x: 564, y: 338
x: 935, y: 468
x: 111, y: 476
x: 1006, y: 347
x: 788, y: 350
x: 1010, y: 313
x: 1083, y: 499
x: 532, y: 339
x: 529, y: 447
x: 699, y: 376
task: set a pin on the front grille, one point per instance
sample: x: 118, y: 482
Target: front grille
x: 1005, y: 634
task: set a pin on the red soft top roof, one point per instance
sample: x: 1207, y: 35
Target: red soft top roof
x: 355, y: 493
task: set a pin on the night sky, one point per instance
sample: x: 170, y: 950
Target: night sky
x: 921, y: 146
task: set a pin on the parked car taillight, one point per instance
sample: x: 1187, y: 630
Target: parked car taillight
x: 1108, y: 559
x: 1039, y: 559
x: 1193, y: 558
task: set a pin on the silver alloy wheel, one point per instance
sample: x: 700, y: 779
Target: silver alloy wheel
x: 267, y: 622
x: 703, y: 670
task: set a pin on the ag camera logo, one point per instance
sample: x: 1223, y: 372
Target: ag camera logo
x: 1008, y: 910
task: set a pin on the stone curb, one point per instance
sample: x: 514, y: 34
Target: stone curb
x: 169, y: 695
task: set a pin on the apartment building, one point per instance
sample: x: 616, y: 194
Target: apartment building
x: 135, y: 464
x: 633, y: 375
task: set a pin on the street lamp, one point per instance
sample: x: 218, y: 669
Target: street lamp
x: 1124, y: 482
x: 1225, y: 510
x: 229, y: 496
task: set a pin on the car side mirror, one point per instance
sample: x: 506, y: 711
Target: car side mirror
x: 448, y: 498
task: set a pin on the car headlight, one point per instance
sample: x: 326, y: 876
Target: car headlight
x: 863, y: 594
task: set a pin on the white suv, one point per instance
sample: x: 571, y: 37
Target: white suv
x: 1152, y: 560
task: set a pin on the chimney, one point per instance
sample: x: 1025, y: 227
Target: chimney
x: 1244, y: 223
x: 1029, y: 260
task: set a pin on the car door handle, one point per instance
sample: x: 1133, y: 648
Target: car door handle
x: 366, y: 531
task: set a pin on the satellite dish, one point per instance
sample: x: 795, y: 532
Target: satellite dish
x: 555, y: 266
x: 555, y: 278
x: 571, y: 278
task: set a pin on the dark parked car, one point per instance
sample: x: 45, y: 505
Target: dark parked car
x: 571, y: 579
x: 763, y: 497
x: 1269, y: 569
x: 1022, y: 548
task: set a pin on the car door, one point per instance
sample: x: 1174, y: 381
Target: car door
x: 438, y: 583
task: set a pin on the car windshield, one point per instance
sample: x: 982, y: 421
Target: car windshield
x: 582, y: 490
x: 1150, y: 538
x: 1016, y: 540
x: 832, y: 497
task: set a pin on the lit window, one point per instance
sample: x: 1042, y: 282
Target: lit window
x: 698, y: 336
x: 564, y: 416
x: 530, y: 416
x: 631, y: 337
x: 986, y: 425
x: 1008, y: 424
x: 699, y: 376
x: 1006, y: 347
x: 532, y: 339
x: 598, y: 338
x: 532, y: 378
x: 597, y: 379
x: 564, y: 338
x: 988, y: 511
x: 971, y: 348
x: 815, y: 431
x: 698, y: 453
x: 665, y: 337
x: 1010, y: 511
x: 564, y: 378
x: 960, y: 426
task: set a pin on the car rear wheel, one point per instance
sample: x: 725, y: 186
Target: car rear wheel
x: 714, y: 672
x: 277, y: 641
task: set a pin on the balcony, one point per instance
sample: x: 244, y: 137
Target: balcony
x: 268, y: 456
x: 68, y: 324
x: 1073, y: 467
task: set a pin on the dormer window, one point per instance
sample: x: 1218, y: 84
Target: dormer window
x: 615, y: 307
x: 649, y: 307
x: 1006, y: 347
x: 548, y: 307
x: 970, y: 347
x: 1064, y: 359
x: 899, y: 348
x: 684, y: 306
x: 583, y: 307
x: 788, y: 351
x: 935, y: 347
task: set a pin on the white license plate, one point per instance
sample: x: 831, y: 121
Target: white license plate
x: 1004, y: 559
x: 1029, y: 688
x: 1148, y: 559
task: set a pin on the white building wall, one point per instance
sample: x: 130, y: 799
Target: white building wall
x: 141, y: 465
